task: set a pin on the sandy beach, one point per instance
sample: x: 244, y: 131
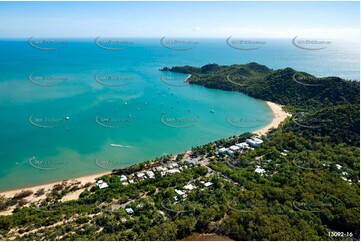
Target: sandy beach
x: 279, y: 116
x: 80, y: 181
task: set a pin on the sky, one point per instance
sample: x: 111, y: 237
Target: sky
x: 328, y: 20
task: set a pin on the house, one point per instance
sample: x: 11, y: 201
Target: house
x: 174, y: 164
x: 222, y: 150
x: 129, y: 211
x: 260, y: 170
x: 338, y: 166
x: 234, y: 148
x: 101, y: 184
x: 123, y: 178
x: 191, y: 163
x: 161, y: 168
x: 176, y: 198
x: 131, y: 181
x: 150, y: 174
x: 207, y: 184
x: 254, y: 142
x: 189, y: 187
x: 172, y: 171
x: 179, y: 192
x: 242, y: 145
x: 230, y: 152
x: 140, y: 175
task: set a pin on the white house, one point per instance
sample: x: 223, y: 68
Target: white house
x: 234, y: 148
x: 172, y: 171
x: 150, y: 174
x: 338, y: 166
x: 242, y: 145
x: 101, y: 184
x: 189, y: 187
x: 131, y: 181
x: 123, y: 178
x: 129, y: 211
x: 207, y: 184
x: 222, y: 150
x: 140, y: 174
x: 254, y: 142
x: 179, y: 192
x: 161, y: 168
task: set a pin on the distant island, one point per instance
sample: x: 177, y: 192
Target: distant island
x: 299, y: 181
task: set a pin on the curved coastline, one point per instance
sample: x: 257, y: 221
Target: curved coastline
x: 278, y: 113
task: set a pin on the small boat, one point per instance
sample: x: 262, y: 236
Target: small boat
x: 67, y: 118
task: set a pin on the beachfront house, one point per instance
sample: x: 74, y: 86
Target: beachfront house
x: 101, y: 184
x: 222, y: 150
x: 161, y: 168
x: 254, y: 142
x: 242, y: 145
x: 123, y: 178
x: 234, y: 148
x: 150, y: 174
x: 191, y: 163
x: 140, y: 175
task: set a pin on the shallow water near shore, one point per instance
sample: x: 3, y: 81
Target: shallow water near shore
x: 81, y: 109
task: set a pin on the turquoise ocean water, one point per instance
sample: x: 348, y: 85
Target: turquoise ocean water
x: 82, y: 109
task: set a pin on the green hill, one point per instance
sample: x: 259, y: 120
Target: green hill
x: 321, y: 106
x: 285, y: 86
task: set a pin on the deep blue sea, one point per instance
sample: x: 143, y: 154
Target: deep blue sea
x: 78, y: 106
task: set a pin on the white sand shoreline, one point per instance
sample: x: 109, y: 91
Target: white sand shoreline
x: 278, y: 113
